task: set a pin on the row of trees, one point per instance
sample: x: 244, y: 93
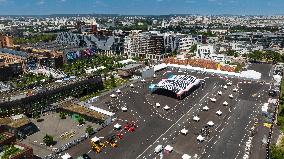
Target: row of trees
x: 78, y: 67
x: 265, y: 55
x: 28, y: 79
x: 35, y: 39
x: 277, y: 152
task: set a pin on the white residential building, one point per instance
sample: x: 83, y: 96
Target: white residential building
x: 204, y: 50
x: 186, y: 43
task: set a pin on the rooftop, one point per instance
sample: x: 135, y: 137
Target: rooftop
x: 74, y: 107
x: 130, y: 66
x: 15, y: 121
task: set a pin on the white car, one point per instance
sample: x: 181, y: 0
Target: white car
x: 124, y: 109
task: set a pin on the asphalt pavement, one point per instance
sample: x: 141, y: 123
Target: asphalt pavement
x: 226, y: 139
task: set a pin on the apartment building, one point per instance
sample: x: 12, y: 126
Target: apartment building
x: 186, y: 43
x: 204, y: 50
x: 144, y: 45
x: 156, y: 47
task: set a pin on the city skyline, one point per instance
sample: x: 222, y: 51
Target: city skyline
x: 141, y: 7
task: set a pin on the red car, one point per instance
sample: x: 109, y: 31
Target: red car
x: 130, y: 126
x: 120, y: 136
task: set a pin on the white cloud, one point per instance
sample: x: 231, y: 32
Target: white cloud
x: 41, y: 2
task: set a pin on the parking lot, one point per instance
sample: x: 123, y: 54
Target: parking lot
x: 226, y: 138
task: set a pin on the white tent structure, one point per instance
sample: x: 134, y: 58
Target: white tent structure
x: 158, y: 149
x: 186, y: 156
x: 166, y: 107
x: 131, y: 85
x: 117, y: 126
x: 124, y: 109
x: 66, y: 156
x: 210, y: 123
x: 95, y: 139
x: 229, y: 83
x: 213, y: 99
x: 235, y: 89
x: 200, y: 138
x: 113, y: 96
x: 158, y: 105
x: 118, y: 91
x: 219, y: 93
x: 225, y: 87
x: 154, y: 76
x: 205, y: 108
x: 196, y: 118
x: 219, y: 113
x: 169, y: 148
x: 231, y: 96
x: 143, y: 80
x: 184, y: 131
x: 250, y: 74
x: 225, y: 103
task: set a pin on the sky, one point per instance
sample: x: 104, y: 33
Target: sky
x: 142, y: 7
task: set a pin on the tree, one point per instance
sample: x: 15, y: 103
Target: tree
x: 81, y: 121
x: 231, y: 52
x: 89, y: 130
x: 193, y: 48
x: 2, y: 137
x: 238, y: 68
x: 113, y: 82
x: 174, y: 53
x: 36, y: 116
x: 256, y: 55
x: 146, y: 62
x: 276, y: 152
x: 9, y: 151
x: 274, y: 56
x: 48, y: 140
x: 62, y: 115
